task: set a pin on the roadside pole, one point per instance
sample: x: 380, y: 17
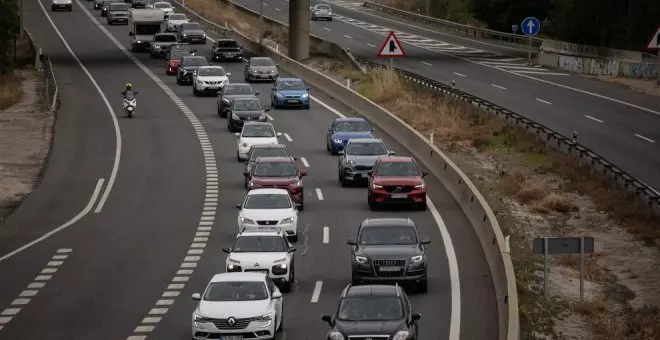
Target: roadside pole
x: 261, y: 21
x: 530, y: 27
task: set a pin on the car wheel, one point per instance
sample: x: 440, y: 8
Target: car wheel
x: 301, y: 208
x: 178, y: 81
x: 372, y: 206
x: 307, y: 107
x: 238, y: 157
x: 342, y: 181
x: 286, y: 288
x: 422, y: 287
x: 422, y: 206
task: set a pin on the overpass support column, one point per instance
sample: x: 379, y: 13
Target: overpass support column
x: 299, y: 29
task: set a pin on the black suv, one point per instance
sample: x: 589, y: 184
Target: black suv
x: 188, y: 65
x: 226, y: 49
x: 373, y: 312
x: 389, y: 250
x: 264, y: 150
x: 245, y: 109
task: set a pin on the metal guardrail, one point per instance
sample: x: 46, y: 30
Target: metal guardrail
x: 520, y: 41
x: 647, y: 197
x: 52, y: 90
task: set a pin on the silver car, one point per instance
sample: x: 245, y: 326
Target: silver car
x: 321, y: 12
x: 162, y: 42
x: 358, y: 158
x: 261, y: 68
x: 175, y: 20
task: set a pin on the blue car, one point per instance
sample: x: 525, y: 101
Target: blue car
x: 289, y: 92
x: 343, y: 129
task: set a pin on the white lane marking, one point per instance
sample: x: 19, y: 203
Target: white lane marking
x: 28, y: 293
x: 49, y: 270
x: 152, y: 319
x: 137, y: 337
x: 64, y: 250
x: 319, y: 194
x: 277, y: 9
x: 113, y: 115
x: 326, y: 235
x: 286, y: 135
x: 536, y: 72
x: 143, y: 329
x: 645, y: 138
x: 425, y: 63
x: 327, y: 29
x: 460, y: 74
x: 43, y: 277
x: 317, y: 291
x: 543, y: 101
x: 69, y: 223
x: 158, y: 311
x: 328, y: 107
x: 10, y: 311
x: 498, y: 86
x: 269, y: 117
x: 371, y: 45
x: 348, y: 36
x: 304, y: 162
x: 54, y: 263
x: 36, y: 285
x: 593, y: 118
x: 20, y: 302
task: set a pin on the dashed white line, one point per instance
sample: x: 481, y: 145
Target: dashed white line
x: 327, y: 29
x: 460, y: 74
x: 425, y: 63
x: 269, y: 117
x: 317, y: 291
x: 286, y: 135
x: 543, y: 101
x: 304, y: 162
x: 645, y: 138
x: 371, y: 45
x: 348, y: 36
x: 277, y: 9
x: 498, y: 86
x: 319, y: 194
x: 326, y: 235
x: 593, y: 118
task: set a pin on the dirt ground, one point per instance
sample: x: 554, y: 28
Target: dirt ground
x: 25, y: 137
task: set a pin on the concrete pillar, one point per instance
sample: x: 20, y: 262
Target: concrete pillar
x: 299, y: 29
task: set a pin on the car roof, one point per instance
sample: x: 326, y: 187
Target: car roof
x: 290, y: 79
x: 259, y: 123
x: 238, y: 276
x: 245, y: 97
x: 239, y: 84
x: 372, y: 290
x: 268, y: 191
x: 350, y: 119
x: 389, y: 221
x: 274, y: 159
x: 397, y: 159
x: 194, y: 57
x: 261, y: 58
x: 268, y: 146
x: 365, y: 140
x: 212, y: 66
x: 225, y: 39
x: 162, y: 2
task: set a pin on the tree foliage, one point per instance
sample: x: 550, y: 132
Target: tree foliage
x: 625, y: 24
x: 9, y: 29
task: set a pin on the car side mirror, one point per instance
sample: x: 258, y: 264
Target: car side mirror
x: 225, y: 250
x: 341, y: 152
x: 277, y: 65
x: 276, y: 295
x: 246, y: 173
x: 225, y: 100
x: 237, y: 134
x: 292, y: 249
x: 351, y: 241
x: 327, y: 318
x: 303, y: 172
x: 370, y: 173
x: 279, y: 134
x: 425, y: 240
x: 257, y: 93
x: 196, y: 297
x: 391, y: 153
x: 267, y: 110
x: 228, y: 74
x: 425, y: 173
x: 238, y: 206
x: 416, y: 317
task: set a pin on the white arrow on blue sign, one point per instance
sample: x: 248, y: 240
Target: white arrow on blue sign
x: 530, y: 26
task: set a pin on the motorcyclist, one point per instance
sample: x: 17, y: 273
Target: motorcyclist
x: 128, y: 92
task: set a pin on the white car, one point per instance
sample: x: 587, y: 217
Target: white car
x: 174, y: 21
x: 254, y: 133
x: 165, y: 7
x: 322, y: 11
x: 236, y: 306
x: 264, y: 250
x: 269, y: 207
x: 209, y: 79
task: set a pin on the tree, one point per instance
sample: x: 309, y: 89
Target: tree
x: 9, y: 31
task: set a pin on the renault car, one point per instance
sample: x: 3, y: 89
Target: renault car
x: 269, y: 207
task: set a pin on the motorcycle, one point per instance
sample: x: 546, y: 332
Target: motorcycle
x: 130, y: 103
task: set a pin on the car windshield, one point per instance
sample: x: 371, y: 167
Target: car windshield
x: 247, y: 105
x: 370, y: 308
x: 162, y: 5
x: 236, y: 291
x: 366, y: 149
x: 261, y: 62
x: 227, y: 44
x: 237, y: 89
x: 388, y: 235
x: 165, y: 38
x: 356, y: 126
x: 191, y: 26
x: 258, y: 131
x: 199, y: 61
x: 177, y: 17
x: 256, y: 244
x: 397, y: 169
x: 147, y: 29
x: 323, y: 7
x: 275, y: 169
x: 268, y: 152
x: 291, y: 85
x: 211, y: 72
x: 119, y: 7
x: 267, y: 201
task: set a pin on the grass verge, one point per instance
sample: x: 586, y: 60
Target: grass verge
x: 11, y: 89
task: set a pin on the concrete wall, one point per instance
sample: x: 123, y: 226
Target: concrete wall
x: 598, y: 66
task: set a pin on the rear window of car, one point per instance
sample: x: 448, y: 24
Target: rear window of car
x: 227, y: 44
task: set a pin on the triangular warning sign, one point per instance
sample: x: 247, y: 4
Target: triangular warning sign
x: 392, y: 47
x: 654, y: 42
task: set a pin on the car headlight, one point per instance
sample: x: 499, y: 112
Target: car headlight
x: 204, y: 35
x: 296, y: 183
x: 139, y: 42
x: 184, y: 34
x: 335, y: 336
x: 360, y: 259
x: 350, y: 162
x: 417, y: 259
x: 376, y: 186
x: 281, y: 265
x: 337, y: 141
x: 232, y: 266
x: 280, y: 95
x: 266, y: 318
x: 246, y: 220
x: 401, y: 335
x: 305, y: 95
x: 421, y: 186
x: 287, y: 220
x: 199, y: 319
x: 156, y: 46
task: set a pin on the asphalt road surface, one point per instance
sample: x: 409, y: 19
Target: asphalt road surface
x: 104, y: 276
x: 619, y: 124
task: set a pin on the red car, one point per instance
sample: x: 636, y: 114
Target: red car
x: 278, y: 172
x: 395, y: 180
x: 173, y: 61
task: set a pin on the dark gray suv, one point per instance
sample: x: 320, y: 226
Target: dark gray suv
x: 373, y: 312
x: 389, y: 250
x: 358, y: 158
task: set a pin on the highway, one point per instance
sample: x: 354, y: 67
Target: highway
x: 146, y: 229
x: 619, y: 124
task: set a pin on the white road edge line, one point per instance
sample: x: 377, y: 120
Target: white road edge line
x: 498, y: 86
x: 317, y: 292
x: 319, y: 194
x: 543, y: 101
x: 286, y: 135
x: 81, y: 214
x: 304, y: 162
x: 371, y: 45
x: 348, y: 36
x: 593, y: 118
x: 460, y: 74
x: 425, y: 63
x: 269, y: 117
x: 326, y: 235
x: 645, y: 138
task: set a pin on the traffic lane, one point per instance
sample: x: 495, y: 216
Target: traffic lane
x: 83, y: 146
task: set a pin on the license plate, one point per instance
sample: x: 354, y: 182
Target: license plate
x: 260, y: 271
x: 399, y: 195
x: 212, y: 87
x: 291, y: 101
x: 231, y: 337
x: 389, y: 269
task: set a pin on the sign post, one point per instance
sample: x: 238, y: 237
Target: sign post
x: 514, y: 28
x: 391, y: 48
x: 530, y: 27
x: 654, y: 45
x: 562, y: 246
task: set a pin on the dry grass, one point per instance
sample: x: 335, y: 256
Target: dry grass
x: 592, y: 270
x: 11, y: 89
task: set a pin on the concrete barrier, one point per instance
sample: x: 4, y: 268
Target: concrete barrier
x: 598, y: 67
x: 473, y: 204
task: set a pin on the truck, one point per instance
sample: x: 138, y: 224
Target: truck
x: 143, y: 24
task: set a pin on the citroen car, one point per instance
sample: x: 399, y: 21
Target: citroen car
x: 261, y: 68
x: 279, y: 172
x: 254, y: 133
x: 105, y: 8
x: 321, y: 11
x: 238, y: 306
x: 389, y: 250
x: 341, y: 130
x: 229, y: 92
x: 191, y: 32
x: 209, y: 79
x: 245, y: 109
x: 396, y: 180
x: 189, y: 64
x: 269, y: 207
x: 289, y: 92
x: 62, y: 4
x: 264, y: 150
x: 174, y: 21
x: 373, y: 312
x: 358, y: 158
x: 161, y: 44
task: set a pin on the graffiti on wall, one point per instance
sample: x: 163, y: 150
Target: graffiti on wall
x: 639, y: 70
x: 589, y: 66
